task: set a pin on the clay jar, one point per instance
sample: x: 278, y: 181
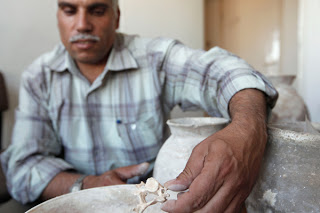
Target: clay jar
x: 289, y: 179
x: 290, y: 105
x: 186, y: 133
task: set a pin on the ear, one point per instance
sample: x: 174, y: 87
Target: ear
x: 118, y: 18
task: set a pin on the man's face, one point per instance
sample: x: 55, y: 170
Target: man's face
x: 87, y: 29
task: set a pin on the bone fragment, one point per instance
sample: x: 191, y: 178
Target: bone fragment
x: 152, y: 186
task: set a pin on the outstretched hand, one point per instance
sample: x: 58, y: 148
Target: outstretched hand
x: 116, y: 176
x: 222, y: 169
x: 61, y: 183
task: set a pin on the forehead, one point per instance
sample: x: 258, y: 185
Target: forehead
x: 85, y: 2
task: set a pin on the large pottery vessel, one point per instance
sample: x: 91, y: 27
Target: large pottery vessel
x: 186, y: 133
x: 289, y: 180
x: 290, y: 105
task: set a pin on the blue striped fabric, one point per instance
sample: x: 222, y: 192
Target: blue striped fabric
x: 64, y: 122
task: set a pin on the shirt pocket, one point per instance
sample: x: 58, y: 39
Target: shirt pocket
x: 142, y: 137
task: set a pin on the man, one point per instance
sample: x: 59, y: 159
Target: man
x: 97, y: 104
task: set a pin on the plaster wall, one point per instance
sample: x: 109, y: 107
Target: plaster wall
x: 248, y: 28
x: 180, y: 19
x: 28, y: 28
x: 289, y: 37
x: 309, y: 51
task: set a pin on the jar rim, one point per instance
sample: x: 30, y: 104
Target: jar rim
x: 196, y: 121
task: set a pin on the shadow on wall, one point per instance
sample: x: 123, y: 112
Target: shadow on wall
x: 3, y: 103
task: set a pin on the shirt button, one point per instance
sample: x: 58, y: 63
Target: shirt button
x: 133, y: 126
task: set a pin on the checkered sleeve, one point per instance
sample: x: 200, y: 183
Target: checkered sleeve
x: 31, y: 161
x: 208, y: 80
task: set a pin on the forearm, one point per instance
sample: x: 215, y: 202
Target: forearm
x: 62, y: 182
x: 59, y: 185
x: 248, y: 109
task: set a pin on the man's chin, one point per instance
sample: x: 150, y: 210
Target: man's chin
x: 89, y: 60
x: 88, y: 57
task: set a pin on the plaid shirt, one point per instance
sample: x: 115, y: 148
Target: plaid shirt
x: 64, y: 122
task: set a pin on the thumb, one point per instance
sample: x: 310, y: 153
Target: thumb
x: 132, y: 171
x: 190, y: 172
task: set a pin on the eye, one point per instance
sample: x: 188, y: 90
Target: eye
x: 98, y: 11
x: 69, y: 10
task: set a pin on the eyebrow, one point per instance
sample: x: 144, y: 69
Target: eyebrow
x: 90, y: 7
x: 95, y: 5
x: 65, y: 4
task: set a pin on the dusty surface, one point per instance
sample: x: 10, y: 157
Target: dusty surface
x: 289, y: 178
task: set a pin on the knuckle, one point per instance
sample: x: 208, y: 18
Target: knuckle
x: 199, y: 203
x: 108, y: 179
x: 186, y: 174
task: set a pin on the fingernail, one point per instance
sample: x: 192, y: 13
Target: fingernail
x: 168, y: 183
x: 171, y: 185
x: 177, y: 187
x: 143, y: 167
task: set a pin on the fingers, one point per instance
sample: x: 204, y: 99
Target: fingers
x: 131, y: 171
x: 192, y: 200
x: 190, y: 172
x: 230, y: 197
x: 202, y: 189
x: 236, y: 205
x: 221, y: 200
x: 106, y: 179
x: 226, y: 200
x: 212, y: 185
x: 112, y: 179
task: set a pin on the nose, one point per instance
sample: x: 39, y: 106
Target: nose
x: 84, y: 24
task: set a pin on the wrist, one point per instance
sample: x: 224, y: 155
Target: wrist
x: 87, y: 182
x: 248, y: 109
x: 78, y: 184
x: 251, y: 129
x: 248, y: 122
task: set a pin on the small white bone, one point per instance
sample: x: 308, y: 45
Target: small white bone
x: 152, y: 186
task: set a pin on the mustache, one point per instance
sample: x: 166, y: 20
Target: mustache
x: 84, y: 36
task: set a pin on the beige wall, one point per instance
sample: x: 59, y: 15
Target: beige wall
x: 248, y: 28
x: 28, y: 28
x: 180, y: 19
x: 289, y: 37
x: 263, y: 32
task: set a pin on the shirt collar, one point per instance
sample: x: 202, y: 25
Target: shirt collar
x: 120, y: 57
x: 58, y: 59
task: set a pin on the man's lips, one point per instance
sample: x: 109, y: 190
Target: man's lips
x: 84, y: 44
